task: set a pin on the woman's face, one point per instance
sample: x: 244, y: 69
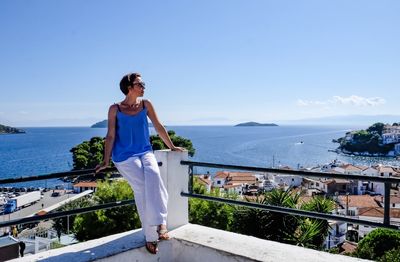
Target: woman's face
x: 138, y: 87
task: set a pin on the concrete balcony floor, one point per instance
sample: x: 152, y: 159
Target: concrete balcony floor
x: 188, y: 243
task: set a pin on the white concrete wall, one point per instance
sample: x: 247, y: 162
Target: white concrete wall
x: 176, y: 179
x: 219, y: 182
x: 290, y: 180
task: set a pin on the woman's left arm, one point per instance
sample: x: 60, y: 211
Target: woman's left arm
x: 159, y: 127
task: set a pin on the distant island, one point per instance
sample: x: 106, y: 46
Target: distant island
x: 377, y: 140
x: 10, y: 130
x: 101, y: 124
x: 255, y: 124
x: 104, y: 124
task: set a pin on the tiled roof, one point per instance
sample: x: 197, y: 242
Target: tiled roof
x: 378, y: 212
x: 393, y: 199
x: 222, y: 174
x: 232, y: 185
x: 386, y: 169
x: 348, y: 247
x: 337, y: 181
x: 363, y: 167
x: 204, y: 181
x: 350, y: 167
x: 242, y: 179
x: 235, y: 175
x: 86, y: 184
x: 358, y: 201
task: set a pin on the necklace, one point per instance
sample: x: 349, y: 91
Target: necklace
x: 130, y: 106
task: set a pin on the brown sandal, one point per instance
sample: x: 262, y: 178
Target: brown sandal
x: 152, y: 247
x: 162, y: 233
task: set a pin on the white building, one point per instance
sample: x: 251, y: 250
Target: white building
x: 383, y: 171
x: 85, y: 185
x: 390, y: 138
x: 364, y: 186
x: 336, y: 234
x: 397, y: 149
x: 289, y: 180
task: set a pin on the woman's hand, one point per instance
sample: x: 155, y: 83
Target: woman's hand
x: 179, y: 149
x: 101, y: 166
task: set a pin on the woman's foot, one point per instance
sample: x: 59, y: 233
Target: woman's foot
x: 162, y: 232
x: 152, y: 247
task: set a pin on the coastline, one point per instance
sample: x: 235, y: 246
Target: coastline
x: 367, y: 154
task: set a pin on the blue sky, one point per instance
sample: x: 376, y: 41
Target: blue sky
x: 204, y: 62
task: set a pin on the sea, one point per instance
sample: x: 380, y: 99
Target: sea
x: 47, y: 150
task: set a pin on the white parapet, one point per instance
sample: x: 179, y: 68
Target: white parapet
x: 176, y: 179
x: 190, y: 242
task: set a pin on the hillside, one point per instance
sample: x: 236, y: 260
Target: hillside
x: 10, y: 130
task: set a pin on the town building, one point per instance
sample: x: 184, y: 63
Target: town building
x: 85, y: 185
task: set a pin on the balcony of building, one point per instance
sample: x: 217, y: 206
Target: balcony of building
x: 191, y: 242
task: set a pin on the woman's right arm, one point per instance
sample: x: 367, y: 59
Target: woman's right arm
x: 110, y: 138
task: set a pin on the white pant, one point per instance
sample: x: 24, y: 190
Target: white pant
x: 151, y: 197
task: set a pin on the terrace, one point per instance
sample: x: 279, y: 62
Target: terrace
x: 194, y: 242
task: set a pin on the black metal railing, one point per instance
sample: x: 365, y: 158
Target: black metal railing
x: 85, y: 173
x: 387, y: 182
x: 90, y: 173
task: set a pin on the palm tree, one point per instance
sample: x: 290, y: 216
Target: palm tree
x: 267, y: 224
x: 312, y: 232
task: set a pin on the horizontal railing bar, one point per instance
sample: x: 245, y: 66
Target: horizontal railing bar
x: 291, y: 211
x: 293, y: 172
x: 70, y: 174
x: 75, y: 173
x: 67, y: 213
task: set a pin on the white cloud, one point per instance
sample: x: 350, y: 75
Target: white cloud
x: 352, y: 100
x: 359, y: 101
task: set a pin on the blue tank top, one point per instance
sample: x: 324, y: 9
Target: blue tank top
x: 132, y: 135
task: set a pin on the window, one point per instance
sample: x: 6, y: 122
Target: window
x: 393, y: 205
x: 381, y: 174
x: 317, y: 184
x: 219, y: 182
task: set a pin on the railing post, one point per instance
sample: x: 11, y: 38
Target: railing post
x: 190, y: 179
x: 176, y: 179
x: 386, y: 211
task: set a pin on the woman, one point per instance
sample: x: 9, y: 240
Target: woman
x: 129, y: 143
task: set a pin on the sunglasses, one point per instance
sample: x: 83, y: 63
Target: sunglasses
x: 141, y: 84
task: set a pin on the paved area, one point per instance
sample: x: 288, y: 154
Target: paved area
x: 47, y: 201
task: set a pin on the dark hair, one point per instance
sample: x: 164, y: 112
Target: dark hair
x: 127, y: 81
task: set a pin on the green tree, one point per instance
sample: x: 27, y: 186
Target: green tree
x: 90, y: 153
x: 267, y: 224
x: 376, y: 128
x: 252, y: 221
x: 108, y: 221
x: 307, y: 233
x: 391, y: 256
x: 313, y: 232
x: 158, y: 144
x: 369, y: 140
x: 61, y: 224
x: 210, y: 213
x: 377, y: 242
